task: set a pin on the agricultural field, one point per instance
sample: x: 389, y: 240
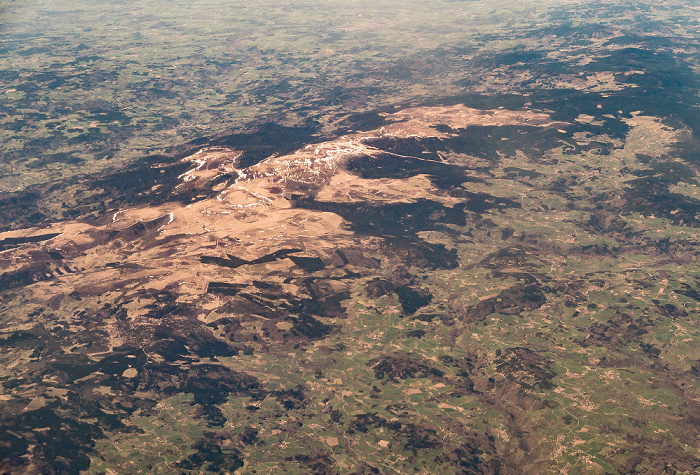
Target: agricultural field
x: 346, y: 237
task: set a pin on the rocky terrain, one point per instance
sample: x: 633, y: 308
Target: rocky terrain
x: 394, y: 299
